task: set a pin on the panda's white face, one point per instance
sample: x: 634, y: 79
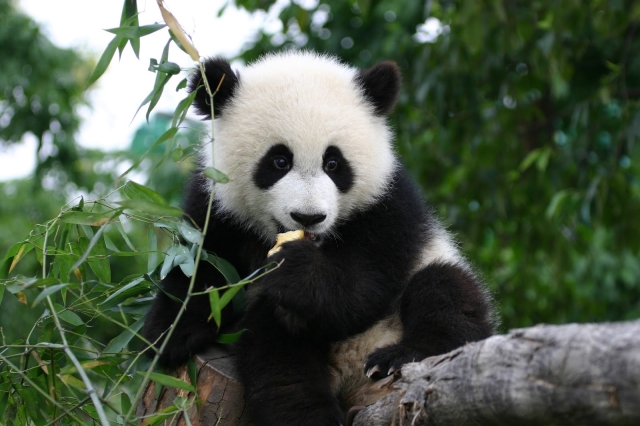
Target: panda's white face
x: 301, y: 145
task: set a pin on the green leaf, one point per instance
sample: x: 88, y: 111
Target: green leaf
x: 124, y: 236
x: 86, y: 218
x: 215, y: 175
x: 177, y: 154
x: 68, y: 316
x: 177, y: 42
x: 170, y: 381
x: 8, y: 259
x: 182, y: 84
x: 229, y: 294
x: 47, y: 292
x: 192, y: 370
x: 189, y: 233
x: 167, y: 265
x: 110, y: 244
x: 90, y: 246
x: 170, y: 68
x: 104, y: 61
x: 126, y: 291
x: 230, y: 338
x: 185, y: 259
x: 152, y: 257
x: 555, y: 203
x: 135, y: 191
x: 119, y: 342
x: 225, y: 268
x: 529, y: 160
x: 151, y: 208
x: 161, y: 415
x: 125, y: 402
x: 216, y: 309
x: 166, y: 135
x: 99, y: 259
x: 130, y: 17
x: 135, y: 31
x: 180, y: 113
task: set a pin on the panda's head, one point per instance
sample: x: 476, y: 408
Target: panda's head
x: 302, y: 137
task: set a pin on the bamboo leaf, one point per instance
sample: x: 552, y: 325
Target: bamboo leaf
x: 90, y: 246
x: 131, y: 31
x: 183, y: 107
x: 170, y: 381
x: 166, y: 135
x: 215, y: 175
x: 135, y: 191
x: 230, y: 338
x: 104, y: 60
x: 120, y: 341
x: 216, y: 309
x: 87, y: 218
x: 47, y: 292
x: 152, y: 259
x: 149, y: 207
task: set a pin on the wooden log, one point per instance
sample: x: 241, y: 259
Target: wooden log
x: 220, y: 393
x: 575, y: 374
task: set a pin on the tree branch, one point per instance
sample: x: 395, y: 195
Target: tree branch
x: 570, y: 374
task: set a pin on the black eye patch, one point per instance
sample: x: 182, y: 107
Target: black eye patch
x: 273, y: 166
x: 337, y: 168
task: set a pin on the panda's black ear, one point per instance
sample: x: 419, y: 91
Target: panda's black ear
x: 214, y: 69
x: 381, y: 85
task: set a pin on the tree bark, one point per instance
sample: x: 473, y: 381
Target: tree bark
x: 220, y: 393
x: 571, y: 374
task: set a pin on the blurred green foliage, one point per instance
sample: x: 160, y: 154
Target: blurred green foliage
x: 521, y: 121
x: 41, y: 86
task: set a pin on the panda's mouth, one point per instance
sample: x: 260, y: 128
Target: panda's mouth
x: 281, y: 229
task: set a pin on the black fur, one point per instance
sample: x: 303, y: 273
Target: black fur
x: 215, y: 69
x: 342, y: 175
x: 381, y: 85
x: 266, y: 174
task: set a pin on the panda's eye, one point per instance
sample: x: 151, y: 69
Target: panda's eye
x: 331, y: 165
x: 281, y: 163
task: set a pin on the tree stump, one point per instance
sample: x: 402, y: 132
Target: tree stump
x: 219, y: 390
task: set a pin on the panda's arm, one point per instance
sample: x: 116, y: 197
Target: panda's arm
x: 194, y: 332
x: 333, y: 295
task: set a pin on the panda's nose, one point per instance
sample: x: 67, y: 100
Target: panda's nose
x: 308, y: 219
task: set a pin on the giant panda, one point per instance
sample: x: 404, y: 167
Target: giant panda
x: 377, y: 283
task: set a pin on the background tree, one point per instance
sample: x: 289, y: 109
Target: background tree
x: 42, y: 85
x: 521, y: 120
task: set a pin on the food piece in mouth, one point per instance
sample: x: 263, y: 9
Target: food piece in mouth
x: 289, y: 236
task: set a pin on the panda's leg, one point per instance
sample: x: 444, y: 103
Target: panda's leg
x: 286, y: 378
x: 444, y: 306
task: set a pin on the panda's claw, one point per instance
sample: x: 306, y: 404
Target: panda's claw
x: 373, y: 370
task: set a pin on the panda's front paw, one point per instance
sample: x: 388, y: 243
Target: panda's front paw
x: 291, y: 286
x: 385, y: 361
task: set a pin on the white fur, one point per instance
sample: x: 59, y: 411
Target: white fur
x: 306, y: 102
x: 440, y: 249
x: 346, y: 359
